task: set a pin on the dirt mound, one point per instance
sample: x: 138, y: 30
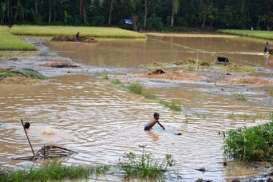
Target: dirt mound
x: 59, y: 64
x: 72, y: 38
x: 174, y: 75
x: 250, y: 80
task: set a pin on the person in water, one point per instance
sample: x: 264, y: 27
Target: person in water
x: 266, y: 52
x: 150, y: 125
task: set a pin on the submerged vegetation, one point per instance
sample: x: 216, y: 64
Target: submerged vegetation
x: 249, y: 33
x: 98, y: 32
x: 240, y: 97
x: 138, y: 89
x: 52, y: 171
x: 144, y: 165
x: 251, y: 144
x: 28, y: 73
x: 9, y: 42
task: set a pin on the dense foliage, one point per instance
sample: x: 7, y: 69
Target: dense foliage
x: 151, y: 14
x: 251, y: 144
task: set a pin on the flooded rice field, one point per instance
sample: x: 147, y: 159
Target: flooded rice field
x: 77, y: 110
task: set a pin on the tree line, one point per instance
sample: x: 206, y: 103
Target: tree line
x: 146, y: 14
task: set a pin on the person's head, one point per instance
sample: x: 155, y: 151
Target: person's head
x: 267, y: 43
x: 156, y: 116
x: 26, y: 125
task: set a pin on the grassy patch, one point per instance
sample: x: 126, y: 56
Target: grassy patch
x: 240, y: 97
x: 249, y: 33
x: 9, y: 42
x: 251, y: 144
x: 138, y: 89
x: 269, y: 91
x: 98, y: 32
x: 173, y: 105
x: 52, y: 171
x: 145, y: 166
x: 28, y: 73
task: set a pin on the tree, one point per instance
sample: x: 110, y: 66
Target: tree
x: 175, y: 9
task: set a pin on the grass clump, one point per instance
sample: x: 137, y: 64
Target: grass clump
x: 116, y: 82
x: 25, y: 72
x: 145, y: 166
x: 269, y: 91
x: 173, y: 105
x: 104, y: 76
x: 249, y: 33
x: 250, y: 144
x: 9, y: 42
x: 240, y: 97
x: 98, y: 32
x: 52, y: 171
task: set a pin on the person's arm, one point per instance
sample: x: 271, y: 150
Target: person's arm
x: 161, y: 125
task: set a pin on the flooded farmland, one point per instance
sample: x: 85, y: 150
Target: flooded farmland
x: 78, y: 110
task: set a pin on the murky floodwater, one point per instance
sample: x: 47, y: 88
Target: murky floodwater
x: 102, y: 122
x: 165, y: 49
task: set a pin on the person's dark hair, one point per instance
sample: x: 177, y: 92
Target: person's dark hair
x: 26, y: 125
x: 156, y: 115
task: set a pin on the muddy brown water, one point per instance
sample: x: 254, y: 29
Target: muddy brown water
x: 102, y: 122
x: 163, y: 49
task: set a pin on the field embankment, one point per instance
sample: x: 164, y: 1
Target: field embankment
x: 249, y: 33
x: 97, y: 32
x: 9, y: 42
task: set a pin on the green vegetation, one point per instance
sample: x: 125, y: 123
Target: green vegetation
x: 240, y: 97
x: 173, y: 105
x: 98, y: 32
x: 249, y: 117
x: 12, y: 43
x: 52, y: 171
x: 239, y: 68
x: 138, y: 89
x: 28, y: 73
x: 145, y: 166
x: 249, y: 33
x: 269, y: 91
x: 251, y: 144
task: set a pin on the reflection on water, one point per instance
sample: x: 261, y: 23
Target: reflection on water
x: 165, y: 49
x: 102, y: 123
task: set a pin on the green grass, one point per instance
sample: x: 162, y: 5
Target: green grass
x: 250, y: 144
x: 269, y: 91
x: 249, y: 33
x: 98, y: 32
x: 28, y: 73
x: 145, y: 166
x: 173, y: 105
x: 240, y: 97
x: 9, y: 42
x: 52, y: 171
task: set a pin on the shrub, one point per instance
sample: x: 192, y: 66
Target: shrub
x: 154, y: 23
x: 144, y: 165
x: 250, y: 144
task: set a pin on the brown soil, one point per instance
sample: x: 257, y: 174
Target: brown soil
x: 249, y: 80
x: 174, y: 75
x: 59, y: 64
